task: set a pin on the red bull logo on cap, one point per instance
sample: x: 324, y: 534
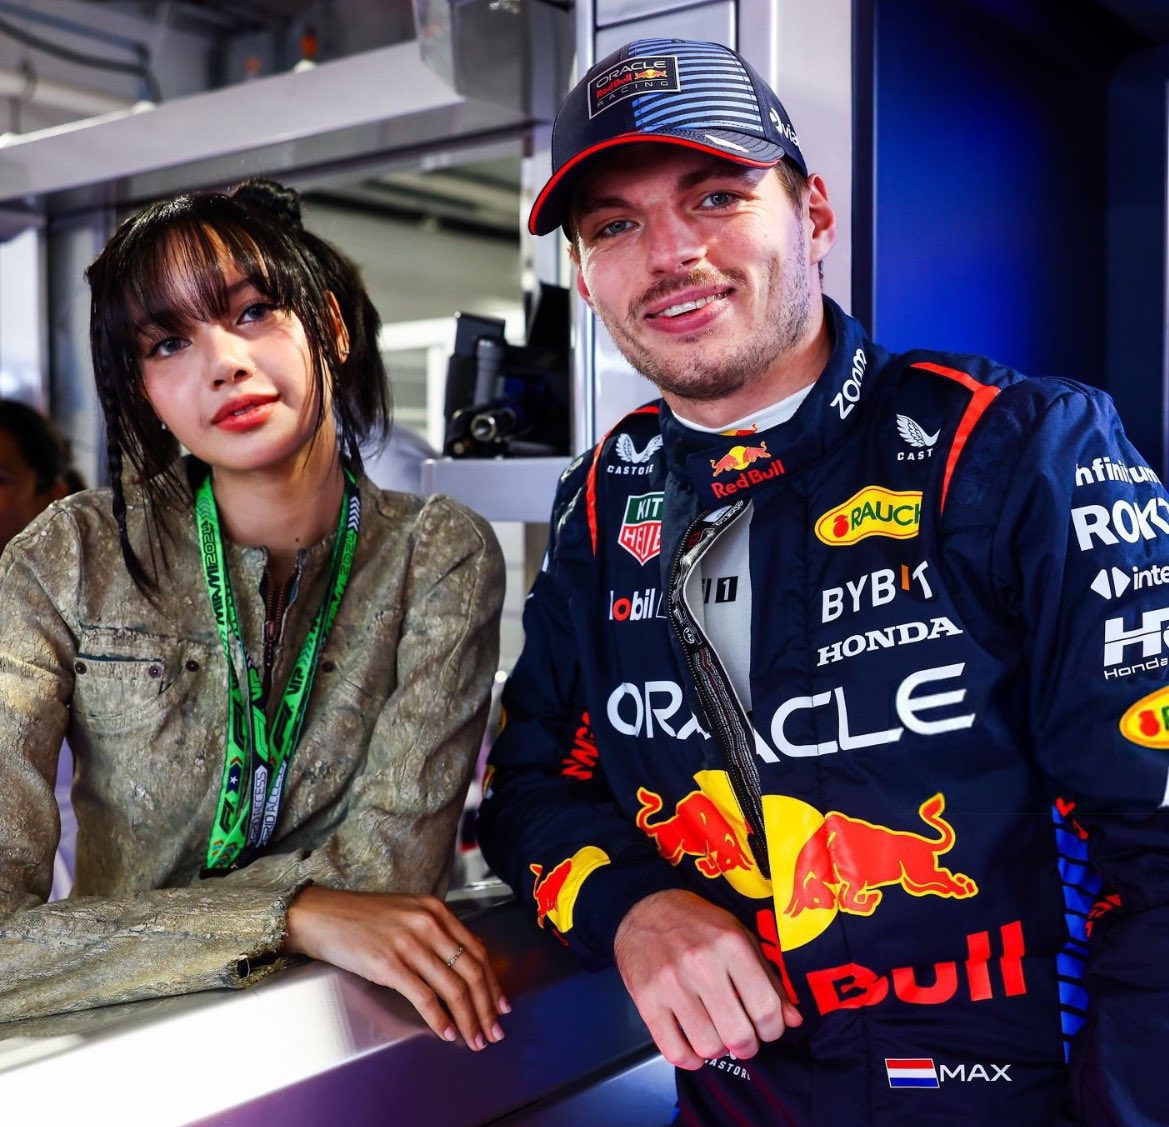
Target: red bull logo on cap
x: 874, y: 511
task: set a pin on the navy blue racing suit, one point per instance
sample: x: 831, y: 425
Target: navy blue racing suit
x: 940, y: 806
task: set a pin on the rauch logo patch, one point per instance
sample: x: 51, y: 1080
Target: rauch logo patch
x: 874, y: 511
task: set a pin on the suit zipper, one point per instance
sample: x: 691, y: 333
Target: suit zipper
x: 720, y: 702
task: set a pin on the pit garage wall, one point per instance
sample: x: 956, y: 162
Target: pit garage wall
x: 804, y: 49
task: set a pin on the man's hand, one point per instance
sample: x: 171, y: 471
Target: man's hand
x: 414, y: 944
x: 699, y: 980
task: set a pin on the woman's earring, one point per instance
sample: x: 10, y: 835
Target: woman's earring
x: 163, y: 425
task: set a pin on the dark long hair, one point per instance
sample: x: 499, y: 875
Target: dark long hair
x: 165, y: 267
x: 42, y: 446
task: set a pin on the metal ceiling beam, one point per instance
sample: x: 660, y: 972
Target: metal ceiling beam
x: 378, y: 103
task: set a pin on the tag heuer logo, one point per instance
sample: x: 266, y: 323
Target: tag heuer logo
x: 641, y: 530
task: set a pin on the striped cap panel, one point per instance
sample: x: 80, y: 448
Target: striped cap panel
x: 709, y: 80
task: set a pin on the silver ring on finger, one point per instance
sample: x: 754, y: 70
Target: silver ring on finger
x: 456, y: 956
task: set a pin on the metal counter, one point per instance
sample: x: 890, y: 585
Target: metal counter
x: 317, y: 1045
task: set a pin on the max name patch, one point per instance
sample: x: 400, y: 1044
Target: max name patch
x: 647, y: 74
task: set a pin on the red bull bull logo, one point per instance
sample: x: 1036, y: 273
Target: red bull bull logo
x: 874, y: 511
x: 738, y: 458
x: 697, y: 828
x: 742, y: 459
x: 556, y: 890
x: 847, y: 861
x: 707, y: 825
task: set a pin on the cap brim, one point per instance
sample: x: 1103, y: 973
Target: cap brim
x: 551, y: 207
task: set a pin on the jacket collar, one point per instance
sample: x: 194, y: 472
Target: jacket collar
x: 725, y: 468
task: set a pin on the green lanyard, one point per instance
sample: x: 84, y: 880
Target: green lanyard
x: 256, y: 759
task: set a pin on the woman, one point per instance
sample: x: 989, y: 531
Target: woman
x: 273, y: 675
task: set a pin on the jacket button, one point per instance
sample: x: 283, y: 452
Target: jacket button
x: 154, y: 671
x: 79, y: 667
x: 192, y: 666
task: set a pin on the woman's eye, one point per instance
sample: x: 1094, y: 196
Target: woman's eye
x: 167, y: 346
x: 256, y: 311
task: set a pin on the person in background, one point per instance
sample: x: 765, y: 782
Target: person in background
x: 842, y: 717
x: 36, y: 469
x: 35, y: 466
x: 273, y: 676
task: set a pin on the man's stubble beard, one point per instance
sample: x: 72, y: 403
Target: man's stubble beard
x: 700, y: 377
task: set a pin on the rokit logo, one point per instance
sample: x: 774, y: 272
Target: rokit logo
x: 638, y: 607
x: 915, y: 436
x: 886, y: 638
x: 1151, y: 637
x: 874, y: 590
x: 1111, y: 583
x: 632, y: 460
x: 1126, y: 520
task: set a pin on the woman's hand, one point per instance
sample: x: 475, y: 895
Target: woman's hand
x: 413, y: 944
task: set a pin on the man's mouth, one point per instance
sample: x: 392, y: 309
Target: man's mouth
x: 690, y: 306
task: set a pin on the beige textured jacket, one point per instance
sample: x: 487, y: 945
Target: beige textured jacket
x: 375, y: 787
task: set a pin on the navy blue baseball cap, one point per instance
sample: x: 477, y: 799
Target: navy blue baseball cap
x: 679, y: 91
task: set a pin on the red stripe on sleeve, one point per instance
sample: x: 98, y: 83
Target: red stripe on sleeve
x: 981, y: 397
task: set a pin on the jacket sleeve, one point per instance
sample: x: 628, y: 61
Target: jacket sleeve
x: 548, y: 823
x: 228, y: 931
x: 1080, y: 565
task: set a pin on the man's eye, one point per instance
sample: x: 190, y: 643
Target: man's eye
x: 718, y: 199
x: 615, y: 227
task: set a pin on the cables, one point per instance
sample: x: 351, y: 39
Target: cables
x: 140, y: 70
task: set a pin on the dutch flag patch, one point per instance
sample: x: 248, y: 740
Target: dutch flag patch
x: 918, y: 1073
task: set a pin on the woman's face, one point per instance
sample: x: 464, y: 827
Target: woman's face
x: 20, y: 497
x: 237, y: 389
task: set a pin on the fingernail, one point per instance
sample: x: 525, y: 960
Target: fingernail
x: 504, y: 1006
x: 497, y: 1032
x: 449, y: 1034
x: 480, y: 1043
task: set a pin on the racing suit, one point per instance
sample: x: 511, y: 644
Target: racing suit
x: 952, y: 751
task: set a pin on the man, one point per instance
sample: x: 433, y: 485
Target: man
x: 839, y: 665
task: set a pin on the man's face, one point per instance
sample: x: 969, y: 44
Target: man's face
x: 703, y: 271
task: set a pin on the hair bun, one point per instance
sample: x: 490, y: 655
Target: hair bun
x: 267, y: 195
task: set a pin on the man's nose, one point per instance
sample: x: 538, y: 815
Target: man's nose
x: 674, y: 244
